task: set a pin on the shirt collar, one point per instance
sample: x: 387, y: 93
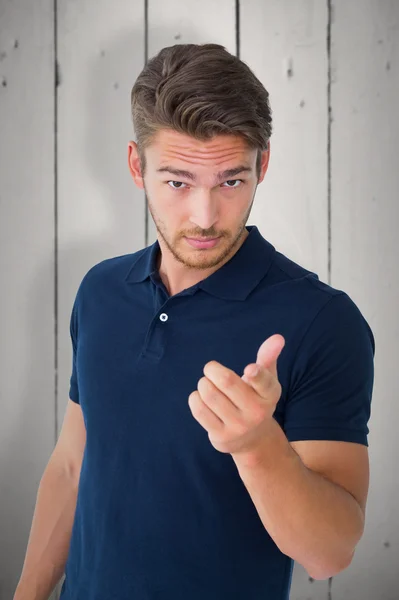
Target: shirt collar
x: 233, y: 281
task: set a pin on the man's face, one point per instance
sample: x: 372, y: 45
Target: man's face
x: 201, y: 206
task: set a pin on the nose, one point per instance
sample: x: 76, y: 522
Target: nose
x: 204, y: 210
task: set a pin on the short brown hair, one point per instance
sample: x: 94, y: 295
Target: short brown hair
x: 201, y: 90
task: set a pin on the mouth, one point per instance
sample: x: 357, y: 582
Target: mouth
x: 202, y: 242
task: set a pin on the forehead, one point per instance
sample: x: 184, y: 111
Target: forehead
x: 172, y: 147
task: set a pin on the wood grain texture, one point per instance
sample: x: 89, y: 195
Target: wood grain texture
x: 101, y: 211
x: 284, y: 43
x: 365, y: 254
x: 67, y: 201
x: 26, y: 271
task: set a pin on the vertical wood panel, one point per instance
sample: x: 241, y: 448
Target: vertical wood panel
x: 27, y: 420
x: 365, y: 215
x: 284, y: 43
x: 101, y: 211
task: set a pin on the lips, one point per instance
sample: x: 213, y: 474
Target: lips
x: 202, y: 243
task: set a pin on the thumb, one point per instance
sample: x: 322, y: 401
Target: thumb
x: 269, y: 351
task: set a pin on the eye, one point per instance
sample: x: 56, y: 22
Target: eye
x: 233, y: 187
x: 174, y: 188
x: 182, y: 184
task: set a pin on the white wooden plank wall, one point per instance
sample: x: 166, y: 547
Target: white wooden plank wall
x: 67, y: 201
x: 27, y: 342
x: 365, y: 256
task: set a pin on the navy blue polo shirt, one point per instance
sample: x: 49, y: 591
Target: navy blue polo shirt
x: 161, y: 514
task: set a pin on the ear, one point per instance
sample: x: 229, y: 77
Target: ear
x: 134, y: 164
x: 264, y: 162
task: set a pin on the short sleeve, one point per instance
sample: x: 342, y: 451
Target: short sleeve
x: 331, y: 385
x: 73, y: 389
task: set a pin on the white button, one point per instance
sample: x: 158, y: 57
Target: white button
x: 163, y: 317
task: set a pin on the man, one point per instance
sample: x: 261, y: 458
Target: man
x: 193, y: 477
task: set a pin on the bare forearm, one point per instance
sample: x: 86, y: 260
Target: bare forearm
x: 312, y: 520
x: 49, y: 538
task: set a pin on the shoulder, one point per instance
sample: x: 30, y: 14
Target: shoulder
x: 303, y: 279
x: 302, y: 295
x: 114, y: 268
x: 324, y: 314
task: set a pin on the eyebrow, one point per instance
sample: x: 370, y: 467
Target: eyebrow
x: 219, y: 177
